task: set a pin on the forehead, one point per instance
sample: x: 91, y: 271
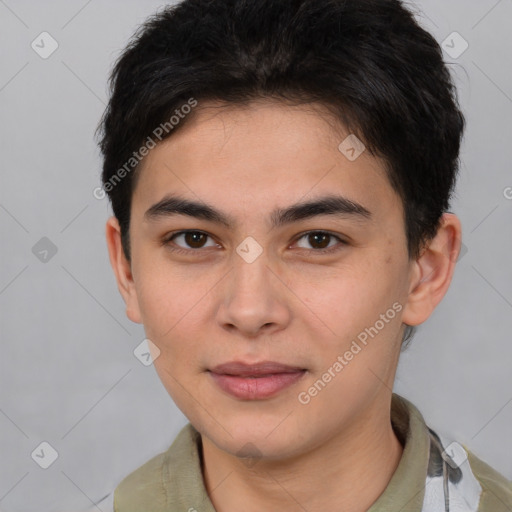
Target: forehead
x: 254, y: 157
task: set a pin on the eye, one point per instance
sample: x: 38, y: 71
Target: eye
x: 191, y: 239
x: 320, y: 241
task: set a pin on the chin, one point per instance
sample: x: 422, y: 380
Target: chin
x: 248, y: 439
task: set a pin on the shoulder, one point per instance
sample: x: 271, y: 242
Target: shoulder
x: 496, y: 493
x: 130, y: 493
x: 454, y: 473
x: 148, y: 485
x: 472, y: 485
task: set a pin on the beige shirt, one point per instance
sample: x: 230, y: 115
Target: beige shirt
x: 433, y: 475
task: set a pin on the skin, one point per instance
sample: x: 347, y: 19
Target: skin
x: 291, y: 305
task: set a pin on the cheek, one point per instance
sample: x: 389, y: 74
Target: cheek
x: 166, y: 296
x: 173, y: 312
x: 158, y: 305
x: 348, y: 297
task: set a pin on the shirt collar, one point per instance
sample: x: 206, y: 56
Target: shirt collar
x: 406, y: 489
x: 175, y: 480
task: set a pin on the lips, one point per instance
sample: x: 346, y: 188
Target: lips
x: 255, y: 381
x: 254, y: 370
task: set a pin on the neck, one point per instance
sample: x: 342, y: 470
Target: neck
x: 349, y: 472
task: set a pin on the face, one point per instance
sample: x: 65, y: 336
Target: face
x: 257, y: 277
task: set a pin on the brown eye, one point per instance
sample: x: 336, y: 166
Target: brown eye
x: 321, y: 242
x: 195, y: 239
x: 188, y: 241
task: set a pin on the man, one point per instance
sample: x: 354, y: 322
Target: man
x: 280, y: 175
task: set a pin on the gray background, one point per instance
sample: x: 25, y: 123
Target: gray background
x: 68, y: 374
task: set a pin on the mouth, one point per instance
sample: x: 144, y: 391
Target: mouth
x: 255, y: 381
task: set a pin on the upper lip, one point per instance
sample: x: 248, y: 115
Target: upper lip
x: 247, y: 370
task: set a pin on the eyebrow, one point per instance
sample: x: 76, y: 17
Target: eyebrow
x: 328, y: 205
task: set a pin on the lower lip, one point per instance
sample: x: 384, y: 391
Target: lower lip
x: 256, y: 388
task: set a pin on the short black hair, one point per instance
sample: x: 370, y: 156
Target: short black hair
x: 368, y: 61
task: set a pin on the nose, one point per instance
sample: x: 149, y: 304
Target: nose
x: 254, y: 299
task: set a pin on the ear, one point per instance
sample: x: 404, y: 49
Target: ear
x: 432, y: 272
x: 122, y: 270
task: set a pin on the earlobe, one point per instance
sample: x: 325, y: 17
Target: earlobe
x: 122, y: 269
x: 432, y: 272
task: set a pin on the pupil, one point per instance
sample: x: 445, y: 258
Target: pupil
x: 194, y: 239
x: 317, y: 238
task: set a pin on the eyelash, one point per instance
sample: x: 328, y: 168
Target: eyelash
x: 167, y: 241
